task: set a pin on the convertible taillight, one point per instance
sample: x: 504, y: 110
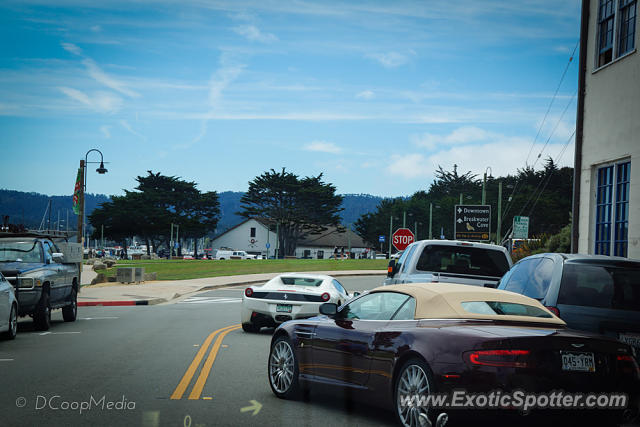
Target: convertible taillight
x: 325, y: 297
x: 501, y: 358
x: 627, y: 365
x: 248, y: 292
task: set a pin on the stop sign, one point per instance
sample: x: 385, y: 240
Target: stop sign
x: 402, y: 238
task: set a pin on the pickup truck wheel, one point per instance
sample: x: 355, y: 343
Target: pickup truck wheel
x: 70, y: 312
x: 42, y: 316
x: 13, y: 324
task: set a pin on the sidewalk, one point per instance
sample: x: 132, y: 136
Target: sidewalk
x: 157, y: 292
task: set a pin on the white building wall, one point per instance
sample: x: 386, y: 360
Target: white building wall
x: 611, y: 134
x: 240, y: 238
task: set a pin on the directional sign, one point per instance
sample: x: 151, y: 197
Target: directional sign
x: 268, y: 245
x: 520, y: 227
x: 472, y: 222
x: 402, y: 238
x: 381, y: 239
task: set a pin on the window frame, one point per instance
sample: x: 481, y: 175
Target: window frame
x: 612, y: 17
x: 611, y: 203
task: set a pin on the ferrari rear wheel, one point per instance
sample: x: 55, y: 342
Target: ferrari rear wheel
x: 283, y: 369
x: 412, y: 385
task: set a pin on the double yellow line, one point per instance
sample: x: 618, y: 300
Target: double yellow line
x: 196, y: 391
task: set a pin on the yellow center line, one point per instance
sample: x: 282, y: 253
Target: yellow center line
x: 186, y: 379
x: 196, y: 391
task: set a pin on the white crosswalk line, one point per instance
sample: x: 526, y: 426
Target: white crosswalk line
x: 210, y: 300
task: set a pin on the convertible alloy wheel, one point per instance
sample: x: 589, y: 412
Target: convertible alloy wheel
x: 283, y: 369
x: 412, y: 385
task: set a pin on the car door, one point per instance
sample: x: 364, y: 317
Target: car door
x: 5, y: 295
x: 58, y: 276
x: 343, y: 346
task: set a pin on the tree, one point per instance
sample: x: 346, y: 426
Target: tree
x: 295, y: 206
x: 158, y: 202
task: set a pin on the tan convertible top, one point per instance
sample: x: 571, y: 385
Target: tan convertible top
x: 443, y: 301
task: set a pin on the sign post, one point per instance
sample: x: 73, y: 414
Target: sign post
x: 520, y: 227
x: 402, y: 238
x: 472, y: 222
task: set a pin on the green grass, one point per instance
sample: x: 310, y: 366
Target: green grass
x: 196, y: 269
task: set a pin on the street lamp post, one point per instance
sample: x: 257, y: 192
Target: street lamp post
x: 484, y: 183
x: 101, y: 170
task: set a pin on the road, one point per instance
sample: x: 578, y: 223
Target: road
x: 136, y: 366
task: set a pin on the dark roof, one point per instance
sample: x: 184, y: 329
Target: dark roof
x: 332, y: 237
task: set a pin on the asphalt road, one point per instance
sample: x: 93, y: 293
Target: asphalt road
x: 130, y: 366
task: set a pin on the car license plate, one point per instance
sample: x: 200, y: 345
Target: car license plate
x: 283, y: 308
x: 573, y: 361
x: 631, y: 339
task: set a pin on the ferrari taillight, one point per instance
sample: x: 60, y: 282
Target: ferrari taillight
x: 501, y: 358
x: 248, y: 292
x: 325, y: 297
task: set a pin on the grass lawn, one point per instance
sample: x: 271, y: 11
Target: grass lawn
x: 195, y: 269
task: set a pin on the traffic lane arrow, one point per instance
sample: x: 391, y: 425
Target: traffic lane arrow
x: 255, y: 407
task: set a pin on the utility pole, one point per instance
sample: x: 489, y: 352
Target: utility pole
x: 460, y: 199
x: 415, y: 228
x: 404, y: 219
x: 430, y: 220
x: 80, y: 236
x: 499, y: 231
x: 349, y: 238
x: 277, y: 240
x: 390, y: 234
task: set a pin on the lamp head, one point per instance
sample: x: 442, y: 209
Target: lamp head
x: 101, y: 170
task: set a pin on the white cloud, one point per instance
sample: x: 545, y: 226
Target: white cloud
x: 462, y: 135
x: 132, y: 131
x: 96, y: 28
x: 409, y: 166
x: 101, y: 77
x: 253, y: 33
x: 104, y: 102
x: 70, y: 47
x: 389, y: 59
x: 323, y: 147
x: 366, y: 94
x: 106, y: 131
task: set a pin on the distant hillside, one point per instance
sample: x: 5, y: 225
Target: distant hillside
x: 29, y: 208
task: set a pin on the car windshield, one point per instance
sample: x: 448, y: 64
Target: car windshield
x: 463, y: 260
x: 611, y: 286
x: 503, y: 309
x: 301, y: 281
x: 20, y: 252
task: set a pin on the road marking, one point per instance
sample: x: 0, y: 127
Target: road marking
x: 209, y: 300
x: 58, y: 333
x: 255, y: 407
x: 207, y: 398
x: 196, y: 391
x: 6, y: 360
x: 191, y: 370
x: 151, y: 419
x: 97, y: 318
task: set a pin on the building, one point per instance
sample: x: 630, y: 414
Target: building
x: 254, y: 237
x: 606, y: 205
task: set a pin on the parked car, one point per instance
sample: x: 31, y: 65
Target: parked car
x: 8, y: 309
x: 590, y: 292
x: 450, y: 261
x: 288, y: 296
x: 402, y: 340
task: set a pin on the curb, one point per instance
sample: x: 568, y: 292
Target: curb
x: 120, y: 303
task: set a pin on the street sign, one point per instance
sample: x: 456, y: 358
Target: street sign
x: 381, y: 239
x: 520, y: 227
x: 268, y: 245
x: 402, y: 238
x: 472, y: 222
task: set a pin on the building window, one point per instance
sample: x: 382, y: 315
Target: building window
x: 252, y: 232
x: 625, y: 21
x: 612, y: 192
x: 627, y: 26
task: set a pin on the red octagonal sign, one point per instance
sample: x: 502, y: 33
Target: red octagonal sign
x: 402, y: 238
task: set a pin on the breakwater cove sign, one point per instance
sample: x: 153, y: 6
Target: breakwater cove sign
x: 472, y: 222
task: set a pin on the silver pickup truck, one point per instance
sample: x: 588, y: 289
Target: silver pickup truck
x: 44, y: 276
x: 450, y: 261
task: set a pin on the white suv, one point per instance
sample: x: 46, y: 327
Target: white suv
x: 450, y: 261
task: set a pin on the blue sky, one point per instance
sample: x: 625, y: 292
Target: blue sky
x: 375, y: 95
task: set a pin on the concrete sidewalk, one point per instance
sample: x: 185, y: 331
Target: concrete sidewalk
x: 158, y: 292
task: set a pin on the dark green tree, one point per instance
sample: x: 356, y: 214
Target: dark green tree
x: 295, y: 206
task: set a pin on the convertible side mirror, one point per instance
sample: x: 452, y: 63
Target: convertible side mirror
x: 329, y: 309
x: 392, y: 269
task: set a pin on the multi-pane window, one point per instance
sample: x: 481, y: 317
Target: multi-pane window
x: 616, y: 29
x: 612, y: 209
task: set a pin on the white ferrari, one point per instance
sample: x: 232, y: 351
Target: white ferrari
x: 289, y: 296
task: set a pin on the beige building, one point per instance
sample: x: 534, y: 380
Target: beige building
x: 606, y: 202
